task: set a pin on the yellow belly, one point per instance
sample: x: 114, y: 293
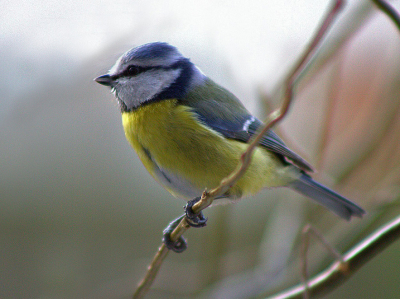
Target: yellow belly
x: 168, y: 136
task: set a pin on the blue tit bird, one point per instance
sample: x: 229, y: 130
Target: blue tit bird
x: 189, y: 132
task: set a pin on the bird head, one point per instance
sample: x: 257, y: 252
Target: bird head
x: 151, y: 72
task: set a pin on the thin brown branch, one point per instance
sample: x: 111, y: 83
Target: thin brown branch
x: 389, y: 11
x: 157, y: 261
x: 245, y: 159
x: 307, y: 232
x: 276, y: 115
x: 151, y: 273
x: 353, y: 260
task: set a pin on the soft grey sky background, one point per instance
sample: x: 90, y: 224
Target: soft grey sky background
x: 79, y: 215
x: 50, y: 36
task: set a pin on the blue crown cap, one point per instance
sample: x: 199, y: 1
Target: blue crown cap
x: 160, y: 50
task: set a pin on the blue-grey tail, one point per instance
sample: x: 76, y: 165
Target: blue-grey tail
x: 326, y: 197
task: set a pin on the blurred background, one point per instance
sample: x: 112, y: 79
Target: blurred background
x: 81, y: 218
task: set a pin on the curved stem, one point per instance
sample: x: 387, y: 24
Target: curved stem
x: 245, y: 159
x: 353, y: 260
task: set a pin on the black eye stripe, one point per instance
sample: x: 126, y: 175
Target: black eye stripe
x: 134, y: 70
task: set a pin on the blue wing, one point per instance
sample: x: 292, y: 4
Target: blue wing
x: 223, y: 112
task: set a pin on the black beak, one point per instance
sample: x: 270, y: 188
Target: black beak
x: 104, y: 80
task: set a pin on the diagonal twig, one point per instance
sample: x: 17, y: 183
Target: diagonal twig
x: 245, y: 159
x: 273, y: 117
x: 365, y: 250
x: 353, y: 260
x: 389, y: 10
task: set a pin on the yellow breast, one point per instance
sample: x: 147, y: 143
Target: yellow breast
x: 169, y: 138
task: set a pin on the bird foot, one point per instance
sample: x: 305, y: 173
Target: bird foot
x: 194, y: 219
x: 179, y: 245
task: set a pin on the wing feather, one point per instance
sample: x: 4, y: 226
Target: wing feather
x: 221, y: 111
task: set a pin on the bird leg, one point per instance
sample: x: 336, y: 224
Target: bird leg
x: 194, y: 219
x: 179, y: 245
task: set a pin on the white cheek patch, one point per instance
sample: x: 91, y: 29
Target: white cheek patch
x: 136, y: 90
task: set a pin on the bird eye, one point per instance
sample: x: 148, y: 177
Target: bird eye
x: 134, y: 70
